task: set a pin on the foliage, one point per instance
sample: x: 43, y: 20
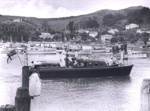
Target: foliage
x: 84, y: 36
x: 88, y: 23
x: 145, y: 38
x: 71, y: 26
x: 92, y: 23
x: 121, y: 39
x: 139, y: 16
x: 113, y: 40
x: 17, y: 32
x: 100, y: 22
x: 111, y: 20
x: 57, y: 37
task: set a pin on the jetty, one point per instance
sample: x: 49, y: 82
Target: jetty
x: 22, y: 98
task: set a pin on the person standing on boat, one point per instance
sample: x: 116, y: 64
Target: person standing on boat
x: 34, y: 90
x: 122, y: 58
x: 113, y: 61
x: 110, y: 63
x: 62, y: 59
x: 74, y: 62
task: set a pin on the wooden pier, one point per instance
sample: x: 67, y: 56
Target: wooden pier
x: 22, y: 99
x: 145, y: 95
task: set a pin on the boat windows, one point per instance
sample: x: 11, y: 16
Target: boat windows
x: 50, y: 65
x: 96, y: 64
x: 90, y: 64
x: 102, y: 65
x: 81, y: 64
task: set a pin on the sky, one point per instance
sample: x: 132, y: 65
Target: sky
x: 63, y: 8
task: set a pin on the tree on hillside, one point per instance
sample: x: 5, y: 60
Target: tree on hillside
x: 121, y: 39
x: 57, y: 37
x: 44, y: 27
x: 63, y: 36
x: 92, y: 23
x: 145, y: 38
x: 111, y: 20
x: 113, y: 40
x: 141, y: 16
x: 88, y: 23
x: 84, y: 36
x: 16, y: 32
x: 71, y: 26
x: 108, y: 20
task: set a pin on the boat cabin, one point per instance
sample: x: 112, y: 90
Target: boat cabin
x: 79, y: 64
x: 48, y: 65
x: 90, y: 63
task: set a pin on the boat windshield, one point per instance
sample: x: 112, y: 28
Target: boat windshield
x: 89, y: 63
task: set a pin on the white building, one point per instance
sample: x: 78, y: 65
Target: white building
x: 83, y: 31
x: 17, y: 20
x: 143, y: 30
x: 131, y: 26
x: 113, y: 31
x: 106, y: 38
x: 93, y: 34
x: 87, y: 47
x: 46, y: 35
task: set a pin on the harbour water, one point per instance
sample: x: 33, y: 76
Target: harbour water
x: 84, y: 94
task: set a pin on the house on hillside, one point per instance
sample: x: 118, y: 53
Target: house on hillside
x: 106, y: 38
x: 17, y: 20
x: 113, y: 31
x: 93, y: 34
x: 143, y: 30
x: 131, y: 26
x: 83, y: 31
x: 46, y: 35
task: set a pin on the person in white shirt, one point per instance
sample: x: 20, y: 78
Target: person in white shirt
x: 110, y: 61
x: 62, y: 59
x: 122, y: 58
x: 34, y: 90
x: 113, y: 61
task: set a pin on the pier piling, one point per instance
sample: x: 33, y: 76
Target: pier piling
x: 145, y: 95
x: 22, y: 99
x: 25, y: 76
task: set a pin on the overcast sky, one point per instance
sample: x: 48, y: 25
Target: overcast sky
x: 62, y: 8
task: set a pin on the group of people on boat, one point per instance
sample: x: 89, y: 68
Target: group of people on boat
x: 66, y: 61
x: 115, y: 61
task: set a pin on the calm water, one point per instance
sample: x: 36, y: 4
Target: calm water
x: 95, y: 94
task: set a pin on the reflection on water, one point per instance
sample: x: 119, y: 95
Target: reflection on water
x: 90, y: 94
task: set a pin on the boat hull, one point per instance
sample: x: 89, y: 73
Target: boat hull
x: 85, y: 72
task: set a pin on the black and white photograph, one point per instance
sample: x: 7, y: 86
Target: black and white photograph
x: 74, y: 55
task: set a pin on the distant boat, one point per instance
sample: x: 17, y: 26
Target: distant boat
x: 136, y: 54
x: 39, y: 50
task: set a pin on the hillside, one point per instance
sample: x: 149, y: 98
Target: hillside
x: 60, y: 23
x: 101, y: 20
